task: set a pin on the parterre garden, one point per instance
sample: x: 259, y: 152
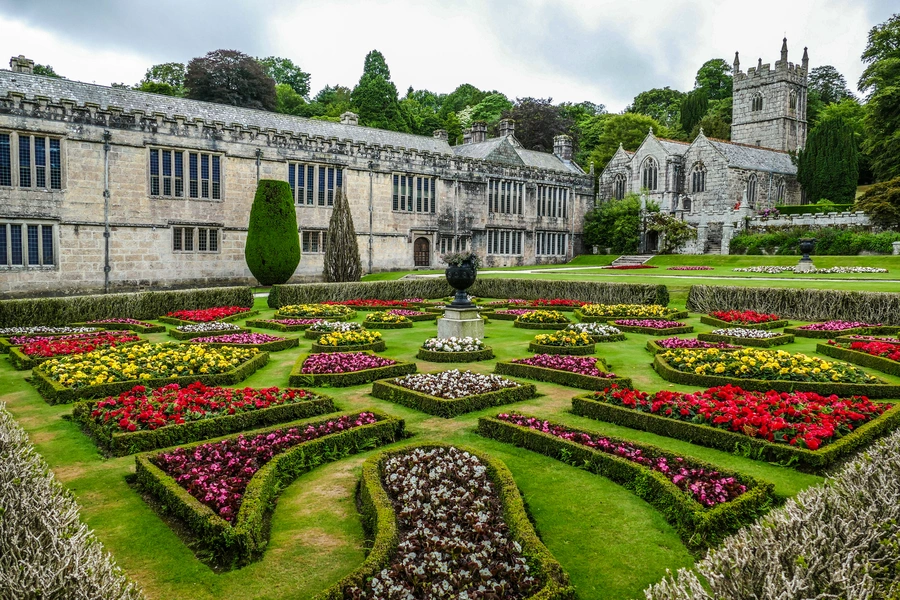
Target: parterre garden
x: 326, y: 444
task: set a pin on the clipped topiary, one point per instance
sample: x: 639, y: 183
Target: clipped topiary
x: 341, y: 252
x: 273, y: 244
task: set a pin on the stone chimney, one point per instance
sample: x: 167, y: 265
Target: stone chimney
x: 441, y: 134
x: 349, y: 118
x: 507, y: 127
x: 467, y: 135
x: 479, y: 132
x: 562, y: 147
x: 20, y: 64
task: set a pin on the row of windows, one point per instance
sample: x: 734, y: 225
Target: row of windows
x: 505, y: 197
x: 167, y: 174
x: 195, y: 239
x: 414, y: 194
x: 26, y: 244
x: 313, y: 242
x: 314, y: 184
x: 504, y: 242
x: 552, y: 201
x: 549, y: 243
x: 30, y: 161
x: 449, y: 244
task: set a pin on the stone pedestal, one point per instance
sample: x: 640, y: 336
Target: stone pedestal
x: 804, y: 266
x: 460, y: 322
x: 896, y: 247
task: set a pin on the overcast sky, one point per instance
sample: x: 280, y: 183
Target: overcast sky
x: 570, y: 50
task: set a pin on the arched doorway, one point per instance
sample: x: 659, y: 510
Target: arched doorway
x: 652, y: 241
x: 422, y: 252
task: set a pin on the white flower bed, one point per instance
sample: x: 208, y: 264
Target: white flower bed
x: 454, y: 383
x: 335, y: 326
x: 593, y: 329
x: 770, y: 270
x: 454, y: 542
x: 41, y: 330
x: 45, y: 549
x: 210, y: 326
x: 758, y: 334
x: 453, y: 344
x: 852, y: 270
x: 840, y: 539
x: 773, y: 270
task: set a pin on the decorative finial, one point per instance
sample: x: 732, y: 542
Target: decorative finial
x: 805, y: 58
x: 759, y: 65
x: 620, y: 146
x: 737, y: 63
x: 784, y: 50
x: 701, y: 131
x: 651, y: 130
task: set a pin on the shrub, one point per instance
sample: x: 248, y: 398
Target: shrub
x: 567, y: 378
x: 273, y: 242
x: 830, y: 241
x: 341, y: 249
x: 863, y: 356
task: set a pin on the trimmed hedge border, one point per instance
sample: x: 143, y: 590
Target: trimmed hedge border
x: 22, y: 362
x: 737, y: 443
x: 671, y: 316
x: 655, y: 348
x: 125, y: 443
x: 385, y: 390
x: 123, y: 327
x: 657, y: 332
x: 575, y: 380
x: 826, y: 335
x: 455, y: 357
x: 298, y: 378
x: 501, y: 317
x: 189, y: 335
x: 603, y: 339
x: 872, y: 390
x: 698, y: 527
x: 742, y: 341
x: 314, y: 293
x: 55, y: 393
x: 551, y: 326
x: 846, y: 339
x: 349, y: 317
x: 567, y: 350
x: 247, y: 538
x: 266, y: 324
x: 879, y: 363
x: 380, y: 523
x: 378, y: 346
x: 234, y: 317
x: 708, y: 320
x: 427, y: 316
x: 276, y: 346
x: 373, y: 325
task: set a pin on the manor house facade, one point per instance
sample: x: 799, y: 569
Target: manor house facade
x: 105, y: 188
x: 712, y: 183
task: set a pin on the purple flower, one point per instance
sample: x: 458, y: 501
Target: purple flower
x: 239, y: 338
x: 343, y: 362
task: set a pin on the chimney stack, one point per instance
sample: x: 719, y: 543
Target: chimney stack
x: 20, y: 64
x: 441, y: 134
x: 479, y: 132
x: 467, y: 135
x: 349, y: 118
x: 507, y: 127
x: 562, y: 147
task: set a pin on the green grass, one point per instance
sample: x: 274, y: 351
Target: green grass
x: 611, y: 543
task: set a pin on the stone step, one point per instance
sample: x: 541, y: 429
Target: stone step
x: 633, y: 259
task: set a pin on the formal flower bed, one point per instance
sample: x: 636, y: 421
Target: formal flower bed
x: 41, y: 330
x: 747, y: 337
x: 586, y: 373
x: 334, y: 327
x: 510, y: 314
x: 562, y: 342
x: 33, y: 350
x: 555, y: 303
x: 744, y: 317
x: 830, y: 329
x: 205, y: 315
x: 386, y: 320
x: 346, y: 368
x: 187, y: 332
x: 657, y: 327
x: 362, y: 339
x: 454, y: 384
x: 868, y: 338
x: 316, y: 311
x: 262, y: 341
x: 284, y: 324
x: 343, y: 362
x: 691, y: 343
x: 743, y: 332
x: 413, y: 315
x: 773, y: 270
x: 769, y: 270
x: 884, y: 356
x: 541, y: 319
x: 629, y: 267
x: 625, y: 310
x: 689, y: 268
x: 454, y: 349
x: 571, y: 364
x: 598, y: 331
x: 371, y: 303
x: 126, y: 323
x: 852, y: 270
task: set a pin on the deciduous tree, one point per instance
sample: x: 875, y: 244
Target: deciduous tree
x: 230, y: 77
x: 715, y: 77
x: 538, y: 121
x: 284, y: 71
x: 663, y: 104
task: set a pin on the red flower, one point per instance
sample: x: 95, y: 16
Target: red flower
x: 205, y: 315
x: 745, y: 316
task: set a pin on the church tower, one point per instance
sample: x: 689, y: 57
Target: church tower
x: 770, y: 105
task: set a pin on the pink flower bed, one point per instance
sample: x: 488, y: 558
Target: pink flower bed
x: 403, y: 312
x: 217, y: 474
x: 239, y: 338
x: 835, y: 326
x: 709, y: 488
x: 343, y: 362
x: 582, y: 365
x: 515, y: 311
x: 875, y: 338
x: 692, y: 343
x: 689, y: 268
x: 648, y: 323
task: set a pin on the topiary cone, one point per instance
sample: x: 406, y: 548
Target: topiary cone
x: 272, y: 251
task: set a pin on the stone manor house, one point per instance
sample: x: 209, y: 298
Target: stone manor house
x: 105, y: 188
x: 715, y: 184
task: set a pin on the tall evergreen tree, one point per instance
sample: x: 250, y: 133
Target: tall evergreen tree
x: 828, y: 168
x: 375, y: 96
x: 693, y: 108
x: 341, y: 250
x: 881, y: 81
x: 272, y: 250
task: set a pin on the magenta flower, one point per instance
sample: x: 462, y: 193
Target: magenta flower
x: 343, y: 362
x: 648, y: 323
x: 239, y: 338
x: 582, y: 365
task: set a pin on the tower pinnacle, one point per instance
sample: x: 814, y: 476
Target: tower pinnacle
x: 784, y: 52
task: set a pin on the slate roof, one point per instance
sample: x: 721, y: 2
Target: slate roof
x: 481, y: 150
x: 755, y: 158
x: 673, y: 147
x: 531, y: 158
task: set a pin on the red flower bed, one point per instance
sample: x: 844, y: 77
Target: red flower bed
x: 142, y: 409
x: 743, y: 316
x: 803, y: 419
x: 217, y: 474
x: 552, y: 302
x: 629, y: 267
x: 204, y: 315
x: 370, y: 303
x: 882, y: 349
x: 46, y: 347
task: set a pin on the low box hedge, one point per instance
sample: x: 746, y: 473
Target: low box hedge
x: 500, y: 316
x: 379, y: 325
x: 678, y: 328
x: 274, y: 346
x: 872, y: 390
x: 738, y: 443
x: 825, y: 335
x: 425, y: 316
x: 670, y: 316
x: 603, y: 339
x: 131, y: 442
x: 234, y: 317
x: 380, y: 524
x: 698, y: 527
x: 779, y: 340
x: 863, y: 359
x: 267, y: 324
x: 708, y: 320
x: 551, y: 326
x: 455, y: 357
x: 575, y: 380
x: 124, y: 327
x: 567, y: 350
x: 441, y: 407
x: 22, y: 362
x: 846, y: 339
x: 654, y: 348
x: 246, y: 539
x: 189, y: 335
x: 56, y: 393
x: 299, y: 378
x: 378, y: 346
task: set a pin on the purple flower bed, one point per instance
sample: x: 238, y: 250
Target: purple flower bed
x: 403, y: 312
x: 122, y: 321
x: 343, y: 362
x: 413, y: 300
x: 239, y: 338
x: 217, y: 474
x: 515, y: 311
x: 709, y: 488
x: 692, y: 343
x: 875, y: 338
x: 582, y: 365
x: 689, y: 268
x: 835, y: 326
x: 648, y: 323
x: 295, y: 321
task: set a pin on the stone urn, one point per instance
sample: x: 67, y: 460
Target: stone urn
x: 461, y: 277
x: 806, y: 246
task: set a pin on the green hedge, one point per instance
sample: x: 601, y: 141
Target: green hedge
x: 124, y: 443
x: 803, y: 304
x: 266, y: 324
x: 298, y: 377
x: 378, y: 325
x: 808, y: 209
x: 872, y: 390
x: 455, y: 357
x: 603, y: 339
x: 378, y: 346
x: 55, y: 393
x: 698, y: 527
x: 575, y: 380
x: 124, y: 327
x: 274, y: 346
x: 738, y: 443
x: 826, y: 335
x: 567, y: 350
x: 245, y: 540
x: 671, y: 315
x: 708, y: 320
x: 779, y: 340
x: 313, y: 293
x: 380, y: 523
x: 682, y: 328
x: 500, y: 317
x: 386, y: 390
x: 139, y: 305
x: 426, y: 316
x: 189, y: 335
x: 846, y: 339
x: 830, y: 241
x: 863, y: 359
x: 544, y: 326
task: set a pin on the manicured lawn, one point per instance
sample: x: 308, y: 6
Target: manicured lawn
x: 611, y: 543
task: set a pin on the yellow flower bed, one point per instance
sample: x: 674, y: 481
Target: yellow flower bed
x: 750, y: 363
x: 543, y: 316
x: 144, y: 361
x: 625, y: 310
x: 564, y: 338
x: 315, y: 310
x: 349, y: 338
x: 385, y: 317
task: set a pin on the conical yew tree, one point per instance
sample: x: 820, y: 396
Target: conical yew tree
x: 273, y: 243
x: 341, y: 251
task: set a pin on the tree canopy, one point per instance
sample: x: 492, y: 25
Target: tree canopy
x: 629, y: 129
x: 828, y: 167
x: 538, y: 121
x: 715, y: 77
x: 46, y: 71
x: 284, y: 71
x: 230, y: 77
x: 880, y: 81
x: 662, y: 104
x: 375, y: 96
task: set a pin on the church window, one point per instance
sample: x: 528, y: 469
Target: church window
x: 412, y: 193
x: 686, y: 204
x: 505, y: 197
x: 751, y: 191
x: 314, y: 183
x: 698, y: 179
x: 650, y: 175
x: 780, y: 192
x: 792, y: 100
x: 167, y: 173
x: 757, y: 102
x: 619, y: 186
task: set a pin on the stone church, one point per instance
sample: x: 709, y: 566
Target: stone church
x: 714, y: 184
x: 105, y: 188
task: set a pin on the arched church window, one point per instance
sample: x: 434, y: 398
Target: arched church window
x: 650, y: 174
x: 757, y: 102
x: 780, y: 192
x: 751, y: 191
x: 619, y: 186
x: 698, y: 178
x: 792, y: 100
x: 686, y: 204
